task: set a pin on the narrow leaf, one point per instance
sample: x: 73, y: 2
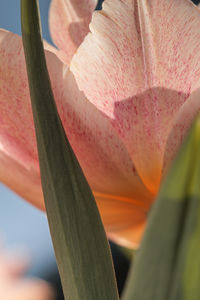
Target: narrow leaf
x: 79, y: 239
x: 167, y: 266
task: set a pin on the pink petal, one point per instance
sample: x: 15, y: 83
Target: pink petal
x: 18, y: 168
x: 102, y: 155
x: 24, y: 180
x: 69, y: 23
x: 122, y: 198
x: 138, y: 66
x: 180, y: 127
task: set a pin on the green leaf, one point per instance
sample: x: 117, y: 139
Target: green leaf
x: 81, y: 247
x: 167, y: 266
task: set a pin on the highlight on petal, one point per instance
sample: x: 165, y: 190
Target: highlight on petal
x: 102, y: 155
x: 69, y: 23
x: 138, y: 66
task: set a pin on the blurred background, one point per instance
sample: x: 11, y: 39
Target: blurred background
x: 23, y: 227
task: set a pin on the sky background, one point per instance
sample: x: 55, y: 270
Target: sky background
x: 22, y: 226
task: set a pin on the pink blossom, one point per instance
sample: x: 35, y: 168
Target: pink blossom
x: 127, y: 93
x: 15, y: 286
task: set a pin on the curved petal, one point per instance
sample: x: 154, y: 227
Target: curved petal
x: 24, y: 180
x: 102, y: 155
x: 180, y: 127
x: 129, y: 237
x: 122, y: 198
x: 138, y: 65
x: 69, y: 23
x: 124, y: 219
x: 18, y: 168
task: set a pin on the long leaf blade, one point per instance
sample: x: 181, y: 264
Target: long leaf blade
x: 79, y: 239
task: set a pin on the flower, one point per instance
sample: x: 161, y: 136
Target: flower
x: 127, y: 92
x: 14, y: 285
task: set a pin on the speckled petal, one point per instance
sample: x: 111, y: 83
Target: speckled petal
x: 69, y: 23
x: 18, y: 156
x: 139, y: 65
x: 101, y: 153
x: 180, y: 127
x: 121, y: 196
